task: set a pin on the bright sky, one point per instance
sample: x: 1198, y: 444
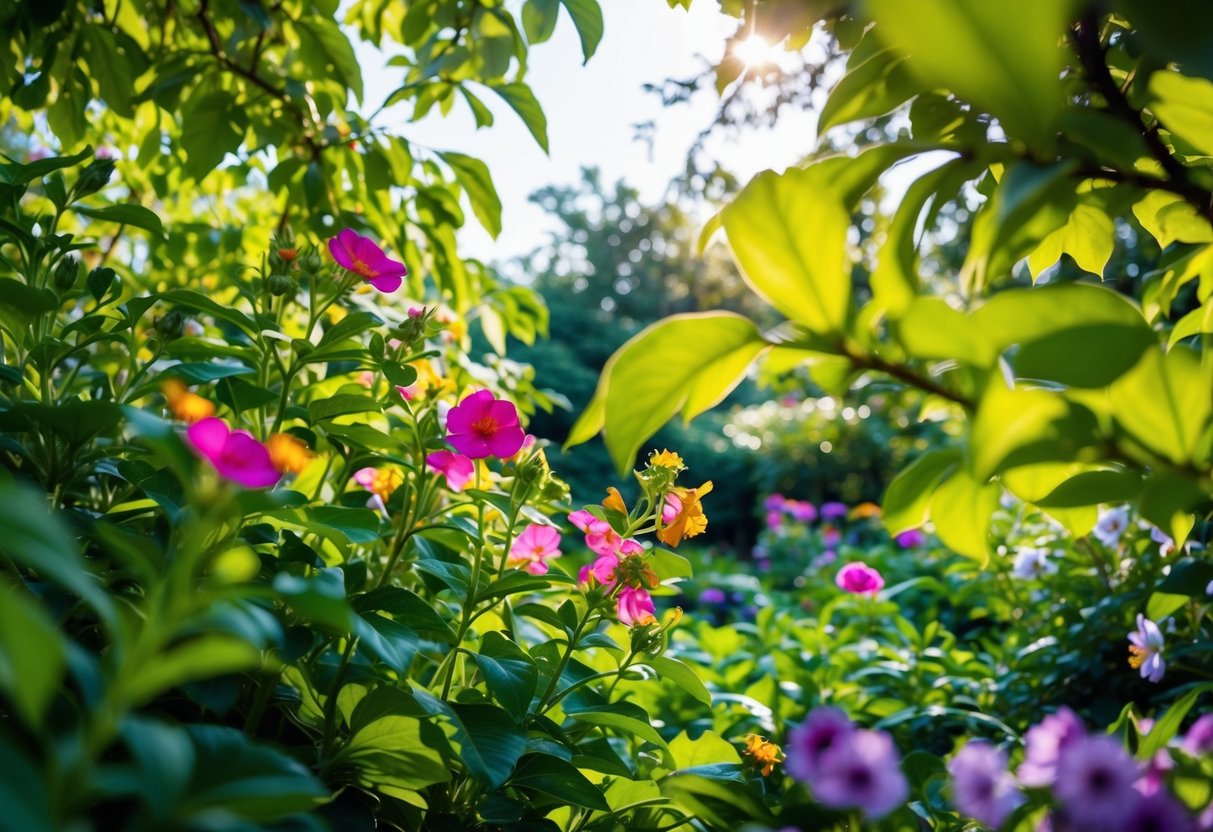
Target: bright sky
x: 591, y: 111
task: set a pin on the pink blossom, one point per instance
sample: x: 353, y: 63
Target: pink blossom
x: 457, y: 468
x: 236, y: 455
x: 601, y: 571
x: 599, y: 536
x: 416, y: 311
x: 534, y: 548
x: 635, y: 606
x: 860, y: 579
x: 481, y: 426
x: 362, y: 256
x: 774, y: 519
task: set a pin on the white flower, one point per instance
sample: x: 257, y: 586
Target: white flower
x: 1032, y: 563
x: 1112, y: 524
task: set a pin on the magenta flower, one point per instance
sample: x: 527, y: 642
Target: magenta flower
x: 534, y: 548
x: 635, y: 606
x: 362, y: 256
x: 862, y: 770
x: 821, y: 730
x: 801, y: 510
x: 860, y: 579
x: 457, y: 468
x: 481, y: 426
x: 774, y: 519
x: 982, y: 788
x: 602, y: 570
x: 599, y: 536
x: 910, y: 539
x: 1199, y: 739
x: 774, y: 502
x: 1044, y: 744
x: 1095, y: 778
x: 1145, y: 649
x: 236, y: 455
x: 834, y: 511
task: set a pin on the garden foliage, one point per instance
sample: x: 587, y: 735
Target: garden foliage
x: 277, y: 551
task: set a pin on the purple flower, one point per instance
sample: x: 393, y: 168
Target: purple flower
x: 362, y: 256
x: 712, y: 595
x: 830, y: 536
x: 236, y: 455
x: 981, y: 785
x: 910, y: 539
x: 1158, y: 812
x: 1199, y: 739
x: 1095, y: 778
x: 1111, y: 525
x: 1044, y: 744
x: 834, y: 511
x: 1145, y: 649
x: 862, y: 770
x: 774, y: 502
x: 774, y: 519
x: 860, y: 579
x: 801, y: 510
x: 820, y: 731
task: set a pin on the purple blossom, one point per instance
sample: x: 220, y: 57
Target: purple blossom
x: 1044, y: 744
x: 1199, y: 739
x: 712, y: 595
x: 774, y: 502
x: 1158, y: 812
x: 981, y: 785
x: 801, y: 511
x: 821, y: 729
x: 1145, y: 649
x: 861, y: 770
x: 1095, y: 778
x: 834, y: 511
x: 910, y: 539
x: 774, y: 519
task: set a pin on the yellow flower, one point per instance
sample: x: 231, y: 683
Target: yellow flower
x: 763, y: 754
x: 864, y: 511
x: 184, y: 405
x: 335, y: 313
x: 682, y: 515
x: 614, y: 501
x: 288, y: 454
x: 667, y: 459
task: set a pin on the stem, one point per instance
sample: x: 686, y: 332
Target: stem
x: 330, y: 707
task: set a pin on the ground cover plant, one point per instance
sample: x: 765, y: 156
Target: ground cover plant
x: 281, y: 551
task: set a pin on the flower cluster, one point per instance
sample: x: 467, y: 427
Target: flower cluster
x: 846, y: 767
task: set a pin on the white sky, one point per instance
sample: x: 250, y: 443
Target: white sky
x: 590, y: 112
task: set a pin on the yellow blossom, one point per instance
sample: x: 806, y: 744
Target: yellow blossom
x: 288, y: 453
x: 688, y: 519
x: 667, y: 459
x: 184, y: 405
x: 865, y: 510
x: 763, y: 754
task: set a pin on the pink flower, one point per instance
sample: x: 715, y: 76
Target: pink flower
x: 635, y: 606
x: 416, y: 311
x: 236, y: 455
x: 599, y: 536
x: 362, y: 256
x: 481, y: 426
x: 774, y: 519
x: 860, y: 579
x: 534, y: 548
x: 601, y: 571
x: 407, y: 393
x: 457, y: 468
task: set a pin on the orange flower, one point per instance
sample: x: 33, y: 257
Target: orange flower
x: 288, y: 453
x: 184, y: 405
x: 864, y: 511
x: 614, y: 501
x: 682, y: 515
x: 763, y: 754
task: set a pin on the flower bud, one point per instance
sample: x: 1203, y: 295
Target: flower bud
x: 281, y: 284
x: 310, y: 262
x: 170, y: 327
x: 66, y: 273
x: 94, y: 177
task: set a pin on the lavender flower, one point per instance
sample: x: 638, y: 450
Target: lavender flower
x: 1157, y: 813
x: 834, y: 511
x: 982, y: 787
x: 1032, y: 563
x: 1044, y: 744
x: 1111, y: 525
x: 862, y: 770
x: 1145, y: 649
x: 1199, y: 739
x: 1095, y: 778
x: 819, y: 732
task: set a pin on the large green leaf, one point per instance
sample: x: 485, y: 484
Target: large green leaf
x: 1015, y: 427
x: 523, y: 102
x: 789, y: 234
x: 907, y: 500
x: 587, y: 17
x: 874, y: 87
x: 1003, y: 57
x: 686, y: 363
x: 1185, y: 106
x: 402, y: 751
x: 509, y: 673
x: 473, y: 176
x: 490, y: 742
x: 960, y: 511
x: 556, y: 778
x: 32, y: 654
x: 1165, y: 402
x: 1088, y: 236
x: 126, y: 213
x: 327, y: 48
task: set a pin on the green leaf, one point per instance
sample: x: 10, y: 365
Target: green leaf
x: 509, y: 673
x: 490, y: 743
x: 523, y: 102
x: 358, y: 525
x: 1185, y: 106
x: 682, y: 676
x: 789, y: 234
x: 704, y: 356
x: 215, y: 126
x: 876, y: 86
x: 1003, y: 57
x: 473, y: 176
x: 329, y: 49
x: 1168, y: 500
x: 1164, y: 402
x: 17, y: 174
x: 1088, y: 236
x: 32, y: 654
x: 621, y: 716
x: 1167, y: 726
x: 1090, y: 488
x: 203, y: 372
x: 719, y: 803
x: 907, y: 500
x: 201, y: 303
x: 200, y: 658
x: 539, y: 19
x: 561, y: 780
x: 587, y: 17
x: 1015, y: 427
x: 401, y: 751
x: 406, y: 605
x: 343, y: 404
x: 961, y: 508
x: 126, y: 213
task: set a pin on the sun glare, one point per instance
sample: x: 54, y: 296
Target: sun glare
x: 756, y: 51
